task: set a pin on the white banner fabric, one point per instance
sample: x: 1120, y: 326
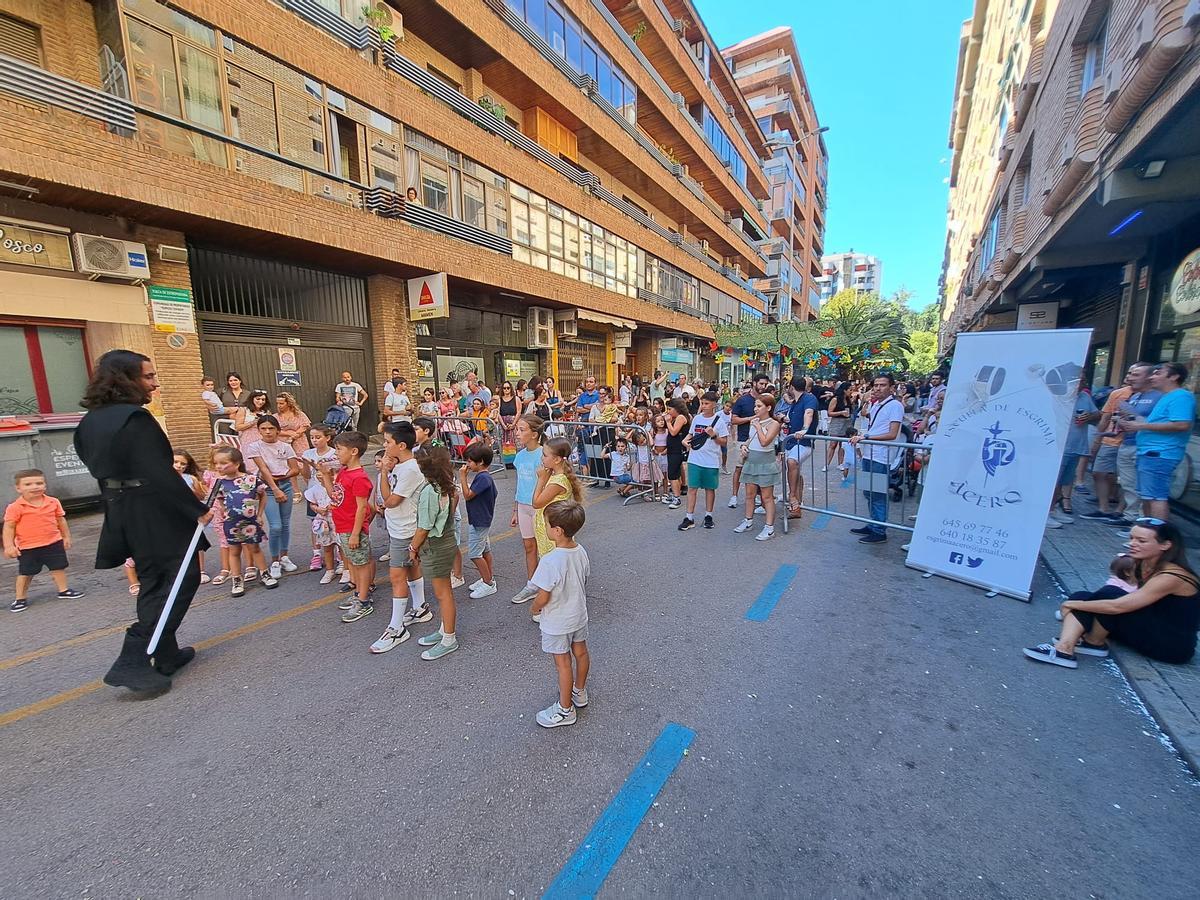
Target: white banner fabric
x: 996, y: 455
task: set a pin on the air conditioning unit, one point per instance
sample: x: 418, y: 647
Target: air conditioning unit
x: 567, y: 328
x: 539, y: 328
x: 102, y: 256
x: 704, y: 246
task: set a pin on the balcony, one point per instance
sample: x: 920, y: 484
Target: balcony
x: 1077, y: 150
x: 1160, y: 37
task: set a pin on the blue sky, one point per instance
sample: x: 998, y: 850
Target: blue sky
x: 882, y: 78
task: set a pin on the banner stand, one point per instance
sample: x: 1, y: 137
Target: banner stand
x: 991, y: 589
x: 997, y: 452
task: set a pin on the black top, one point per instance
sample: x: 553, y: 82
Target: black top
x: 675, y: 441
x: 508, y: 407
x: 124, y: 442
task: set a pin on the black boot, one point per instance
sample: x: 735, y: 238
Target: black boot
x: 169, y: 658
x: 133, y: 669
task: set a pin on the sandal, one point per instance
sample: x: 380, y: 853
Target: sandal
x: 222, y: 577
x: 1066, y: 507
x: 795, y: 512
x: 204, y: 579
x: 134, y: 589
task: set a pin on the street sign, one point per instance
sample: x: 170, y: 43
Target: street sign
x: 286, y: 379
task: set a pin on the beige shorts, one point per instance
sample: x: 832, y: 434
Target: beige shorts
x: 525, y: 514
x: 561, y: 643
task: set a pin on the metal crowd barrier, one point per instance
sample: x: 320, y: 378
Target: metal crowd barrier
x: 593, y: 440
x: 827, y: 492
x: 457, y: 432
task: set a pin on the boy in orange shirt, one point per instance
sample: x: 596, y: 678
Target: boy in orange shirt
x: 36, y: 535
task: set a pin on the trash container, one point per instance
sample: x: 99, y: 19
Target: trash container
x: 16, y: 450
x: 67, y: 478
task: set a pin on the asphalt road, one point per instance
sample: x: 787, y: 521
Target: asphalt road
x: 879, y: 735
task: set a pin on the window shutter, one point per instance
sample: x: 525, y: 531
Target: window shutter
x: 20, y: 40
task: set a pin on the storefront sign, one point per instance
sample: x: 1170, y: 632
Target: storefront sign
x: 287, y: 359
x: 577, y: 363
x: 623, y: 339
x: 1032, y: 316
x: 285, y: 378
x: 427, y: 297
x: 171, y: 309
x: 687, y: 357
x: 1184, y: 296
x: 996, y: 456
x: 32, y: 247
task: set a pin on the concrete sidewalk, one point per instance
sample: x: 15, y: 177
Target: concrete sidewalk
x: 1077, y: 556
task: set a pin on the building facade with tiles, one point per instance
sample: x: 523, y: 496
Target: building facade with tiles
x: 1075, y: 181
x: 849, y: 271
x: 768, y: 69
x: 251, y: 187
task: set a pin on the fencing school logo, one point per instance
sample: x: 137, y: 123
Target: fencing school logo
x: 996, y: 451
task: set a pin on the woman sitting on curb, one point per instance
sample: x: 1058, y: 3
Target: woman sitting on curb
x: 1159, y: 619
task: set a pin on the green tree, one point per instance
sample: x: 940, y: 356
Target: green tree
x: 924, y: 356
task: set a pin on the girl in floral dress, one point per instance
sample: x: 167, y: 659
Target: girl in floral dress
x: 241, y: 498
x: 210, y: 477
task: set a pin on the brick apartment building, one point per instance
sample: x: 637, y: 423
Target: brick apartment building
x: 221, y: 184
x: 768, y: 69
x: 1075, y: 180
x: 849, y: 271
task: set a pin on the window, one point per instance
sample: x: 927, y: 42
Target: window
x: 43, y: 368
x: 1093, y: 57
x: 20, y: 40
x: 991, y: 237
x: 555, y: 32
x: 347, y: 147
x: 201, y: 87
x: 435, y: 187
x: 589, y: 60
x: 574, y: 48
x: 153, y: 68
x: 535, y: 15
x: 473, y: 202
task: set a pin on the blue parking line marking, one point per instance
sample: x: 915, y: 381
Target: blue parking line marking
x: 770, y: 595
x: 598, y: 852
x: 821, y: 521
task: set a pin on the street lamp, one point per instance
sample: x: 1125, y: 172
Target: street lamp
x: 799, y: 140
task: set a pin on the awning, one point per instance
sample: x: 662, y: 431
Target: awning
x: 602, y: 319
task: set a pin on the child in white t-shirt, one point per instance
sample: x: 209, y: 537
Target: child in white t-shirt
x: 323, y: 536
x: 620, y: 466
x: 561, y: 608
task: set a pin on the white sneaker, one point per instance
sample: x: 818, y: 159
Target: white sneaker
x: 1060, y: 516
x: 484, y: 590
x: 824, y: 468
x: 554, y: 715
x: 419, y: 615
x: 276, y: 570
x: 478, y: 582
x: 746, y: 525
x: 766, y: 534
x: 345, y: 577
x: 341, y: 569
x: 1052, y: 522
x: 390, y: 639
x: 733, y: 502
x: 537, y: 618
x: 456, y: 582
x: 327, y: 578
x: 579, y: 697
x: 287, y: 564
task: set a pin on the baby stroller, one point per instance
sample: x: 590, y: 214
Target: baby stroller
x: 338, y: 418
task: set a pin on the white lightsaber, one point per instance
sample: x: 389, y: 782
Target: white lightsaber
x: 187, y: 560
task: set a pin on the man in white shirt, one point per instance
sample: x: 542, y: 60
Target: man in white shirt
x: 397, y: 408
x: 350, y: 393
x: 388, y: 386
x: 883, y: 424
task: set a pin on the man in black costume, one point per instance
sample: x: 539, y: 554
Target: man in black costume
x: 149, y: 512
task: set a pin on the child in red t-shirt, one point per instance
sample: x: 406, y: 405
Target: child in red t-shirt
x: 350, y: 509
x: 36, y: 535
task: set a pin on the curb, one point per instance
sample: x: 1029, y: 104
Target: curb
x: 1165, y: 706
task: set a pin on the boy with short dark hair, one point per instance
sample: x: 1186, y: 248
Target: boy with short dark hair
x: 37, y: 536
x: 349, y: 493
x: 480, y: 494
x: 561, y: 604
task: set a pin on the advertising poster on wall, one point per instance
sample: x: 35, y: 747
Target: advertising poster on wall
x: 996, y: 455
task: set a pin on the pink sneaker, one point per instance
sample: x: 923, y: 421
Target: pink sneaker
x: 315, y: 564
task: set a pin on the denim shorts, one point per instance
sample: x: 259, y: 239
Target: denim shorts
x: 477, y: 542
x: 1066, y: 474
x: 1154, y: 476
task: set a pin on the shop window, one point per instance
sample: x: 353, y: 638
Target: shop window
x: 43, y: 369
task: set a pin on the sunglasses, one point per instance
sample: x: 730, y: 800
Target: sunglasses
x: 1149, y: 520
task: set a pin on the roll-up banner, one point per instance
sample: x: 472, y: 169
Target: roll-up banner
x: 996, y: 455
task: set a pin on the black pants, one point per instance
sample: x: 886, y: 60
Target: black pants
x: 1143, y: 629
x: 157, y: 548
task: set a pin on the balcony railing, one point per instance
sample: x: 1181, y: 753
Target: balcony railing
x: 32, y: 83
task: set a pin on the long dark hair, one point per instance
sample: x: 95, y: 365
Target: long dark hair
x: 1175, y: 555
x: 249, y: 404
x: 116, y: 379
x: 437, y: 469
